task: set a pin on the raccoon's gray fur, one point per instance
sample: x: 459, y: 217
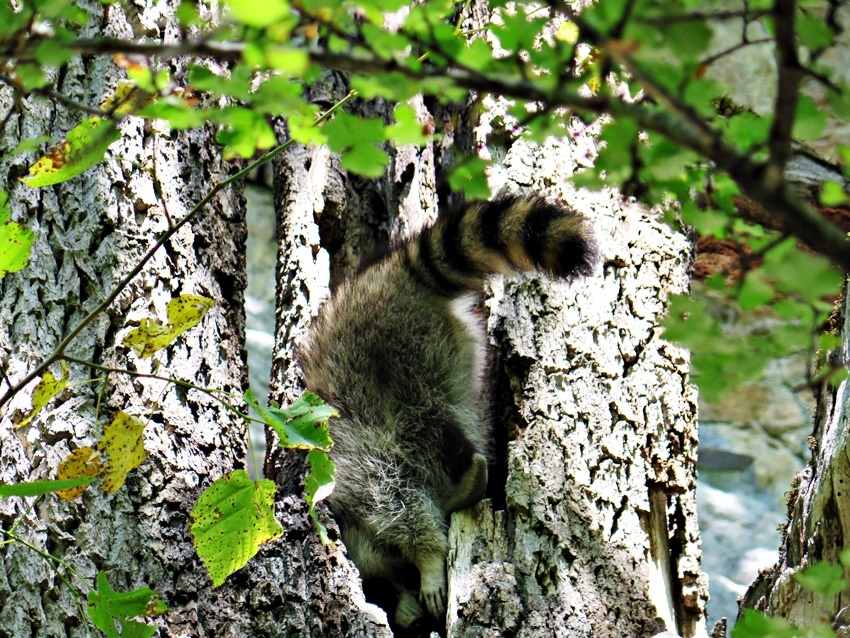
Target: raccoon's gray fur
x: 399, y: 355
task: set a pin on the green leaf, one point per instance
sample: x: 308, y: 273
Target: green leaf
x: 385, y: 43
x: 184, y: 312
x: 259, y: 14
x: 394, y: 85
x: 176, y: 112
x: 755, y: 624
x: 708, y: 221
x: 822, y: 578
x: 470, y: 177
x: 303, y: 425
x: 287, y: 59
x: 832, y: 194
x: 53, y: 53
x: 813, y: 31
x: 810, y: 120
x: 407, y: 129
x: 282, y: 96
x: 231, y: 520
x: 364, y: 158
x: 812, y: 277
x: 755, y: 290
x: 106, y: 607
x: 345, y: 131
x: 27, y: 145
x: 31, y: 76
x: 318, y: 485
x: 245, y: 132
x: 237, y: 84
x: 42, y: 486
x: 84, y: 147
x: 16, y: 240
x: 688, y: 39
x: 747, y: 130
x: 123, y: 444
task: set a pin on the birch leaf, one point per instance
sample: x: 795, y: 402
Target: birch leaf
x: 128, y: 97
x: 107, y: 606
x: 303, y: 425
x: 231, y: 520
x: 122, y: 443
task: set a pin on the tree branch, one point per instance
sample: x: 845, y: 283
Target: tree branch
x: 743, y: 14
x: 789, y: 75
x: 59, y: 352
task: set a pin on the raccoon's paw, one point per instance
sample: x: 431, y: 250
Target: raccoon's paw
x: 408, y: 610
x: 434, y: 588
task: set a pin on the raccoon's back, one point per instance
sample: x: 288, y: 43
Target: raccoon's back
x: 387, y: 350
x: 390, y: 347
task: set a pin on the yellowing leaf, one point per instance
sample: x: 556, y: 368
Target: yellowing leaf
x: 122, y: 443
x: 128, y: 97
x: 84, y: 461
x: 47, y: 388
x: 15, y: 246
x: 15, y: 239
x: 231, y: 520
x: 184, y: 312
x: 84, y: 147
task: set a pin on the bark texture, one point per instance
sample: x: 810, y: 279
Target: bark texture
x: 90, y: 231
x: 599, y: 536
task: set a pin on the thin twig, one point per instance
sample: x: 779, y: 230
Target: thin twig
x: 788, y: 79
x: 211, y: 392
x: 717, y: 56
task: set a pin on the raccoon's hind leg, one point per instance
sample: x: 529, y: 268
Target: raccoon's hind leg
x: 462, y: 462
x: 470, y: 488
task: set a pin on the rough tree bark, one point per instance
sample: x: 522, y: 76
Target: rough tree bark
x: 89, y: 232
x: 599, y: 536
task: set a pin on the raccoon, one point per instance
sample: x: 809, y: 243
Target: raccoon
x: 399, y: 354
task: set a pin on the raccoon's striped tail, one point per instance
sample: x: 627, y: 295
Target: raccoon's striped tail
x: 510, y: 233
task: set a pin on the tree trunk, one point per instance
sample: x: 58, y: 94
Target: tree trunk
x: 600, y: 535
x: 609, y: 545
x: 90, y: 232
x: 818, y: 512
